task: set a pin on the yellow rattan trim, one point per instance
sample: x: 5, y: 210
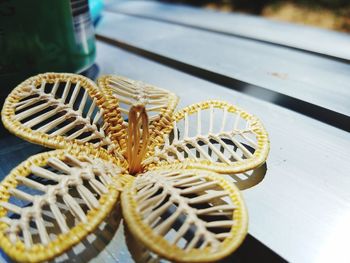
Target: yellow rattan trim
x: 259, y: 156
x: 63, y: 242
x: 111, y: 115
x: 159, y: 245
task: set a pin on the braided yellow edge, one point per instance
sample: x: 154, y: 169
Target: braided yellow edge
x: 259, y: 156
x: 111, y: 116
x: 118, y: 129
x: 158, y: 127
x: 162, y: 125
x: 160, y: 246
x: 63, y: 242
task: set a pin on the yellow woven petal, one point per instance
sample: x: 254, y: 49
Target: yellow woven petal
x: 57, y: 109
x: 159, y: 103
x: 53, y: 200
x: 212, y: 135
x: 185, y: 215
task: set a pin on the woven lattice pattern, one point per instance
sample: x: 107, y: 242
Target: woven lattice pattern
x: 214, y: 135
x: 193, y: 210
x: 54, y: 109
x: 176, y: 172
x: 159, y: 104
x: 129, y: 93
x: 50, y: 195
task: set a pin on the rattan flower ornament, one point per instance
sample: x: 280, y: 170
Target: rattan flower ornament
x: 121, y: 140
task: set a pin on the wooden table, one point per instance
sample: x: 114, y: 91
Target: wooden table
x: 295, y: 78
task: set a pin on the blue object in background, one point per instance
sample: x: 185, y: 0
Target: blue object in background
x: 96, y: 7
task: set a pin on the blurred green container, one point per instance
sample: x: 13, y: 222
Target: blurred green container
x: 43, y: 35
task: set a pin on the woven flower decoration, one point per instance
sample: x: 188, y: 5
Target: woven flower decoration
x: 121, y: 140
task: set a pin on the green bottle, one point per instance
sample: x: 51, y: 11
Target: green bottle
x: 41, y: 36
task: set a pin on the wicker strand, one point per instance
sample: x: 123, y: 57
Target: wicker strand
x: 138, y: 137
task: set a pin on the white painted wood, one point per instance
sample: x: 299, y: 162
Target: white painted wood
x: 307, y: 77
x: 321, y: 41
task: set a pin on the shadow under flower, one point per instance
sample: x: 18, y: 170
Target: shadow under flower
x: 250, y: 178
x: 138, y: 251
x: 93, y: 247
x: 251, y: 250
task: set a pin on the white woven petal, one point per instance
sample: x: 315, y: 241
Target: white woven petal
x: 57, y: 109
x: 157, y: 101
x: 53, y: 200
x: 212, y: 135
x: 185, y: 215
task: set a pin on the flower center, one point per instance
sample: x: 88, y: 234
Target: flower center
x: 138, y: 136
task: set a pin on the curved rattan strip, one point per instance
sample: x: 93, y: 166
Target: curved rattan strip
x: 259, y: 156
x: 159, y: 126
x: 117, y: 130
x: 161, y: 246
x: 65, y: 241
x: 111, y: 116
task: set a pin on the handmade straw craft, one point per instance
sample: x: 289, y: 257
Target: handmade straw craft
x: 121, y: 138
